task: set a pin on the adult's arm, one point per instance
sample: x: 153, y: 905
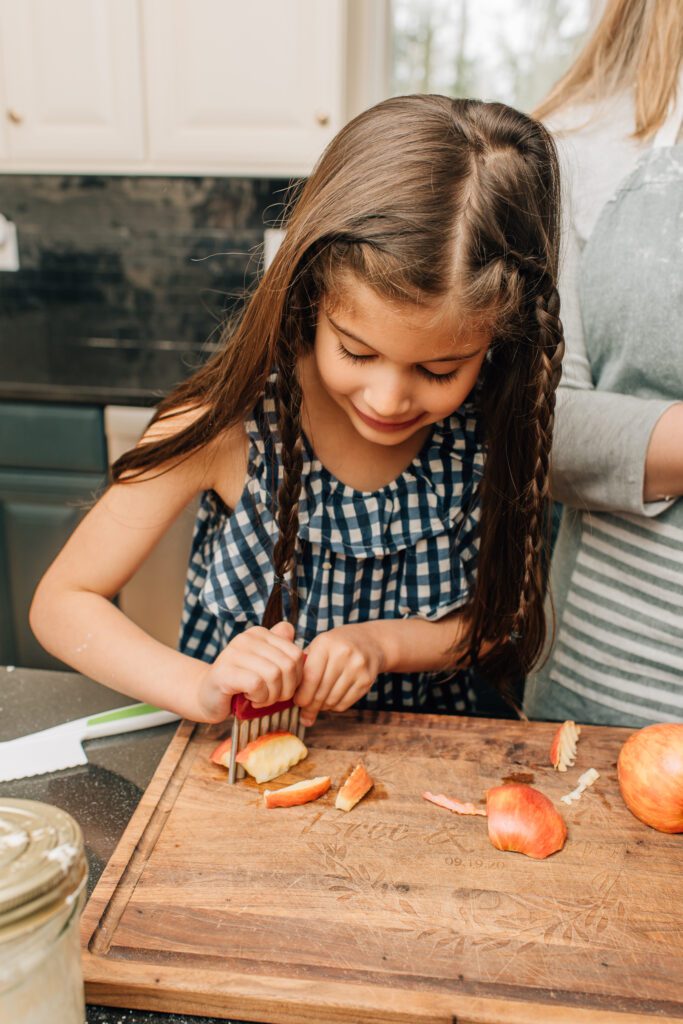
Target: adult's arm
x: 611, y: 452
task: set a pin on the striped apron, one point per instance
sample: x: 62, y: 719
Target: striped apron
x: 617, y: 580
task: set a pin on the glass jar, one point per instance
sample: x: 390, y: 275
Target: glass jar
x: 43, y: 872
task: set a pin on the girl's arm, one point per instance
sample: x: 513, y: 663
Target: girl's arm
x: 342, y: 664
x: 73, y: 616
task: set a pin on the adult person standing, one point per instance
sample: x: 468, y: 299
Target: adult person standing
x: 617, y: 569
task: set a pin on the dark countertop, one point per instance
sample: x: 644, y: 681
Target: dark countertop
x: 101, y: 795
x: 75, y: 394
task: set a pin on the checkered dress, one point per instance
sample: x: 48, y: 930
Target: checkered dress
x: 407, y: 549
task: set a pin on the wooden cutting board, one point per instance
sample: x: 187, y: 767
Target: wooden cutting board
x: 398, y: 910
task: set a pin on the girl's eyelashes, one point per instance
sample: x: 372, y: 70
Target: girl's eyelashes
x: 344, y: 352
x: 441, y: 378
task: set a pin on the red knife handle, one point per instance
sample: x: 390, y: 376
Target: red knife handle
x: 243, y: 709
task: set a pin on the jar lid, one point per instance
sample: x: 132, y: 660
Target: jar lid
x: 41, y: 858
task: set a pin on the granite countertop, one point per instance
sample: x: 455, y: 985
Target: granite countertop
x: 78, y: 394
x: 101, y: 795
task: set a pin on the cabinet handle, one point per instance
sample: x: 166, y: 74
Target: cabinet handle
x: 322, y: 118
x: 14, y: 118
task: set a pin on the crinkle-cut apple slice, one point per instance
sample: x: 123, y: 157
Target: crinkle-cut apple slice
x: 298, y: 793
x: 271, y: 755
x: 563, y: 748
x: 354, y: 789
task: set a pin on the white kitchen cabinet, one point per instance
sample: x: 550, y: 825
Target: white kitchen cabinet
x: 184, y: 86
x: 71, y: 84
x: 249, y: 88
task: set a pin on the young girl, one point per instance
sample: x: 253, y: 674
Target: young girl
x: 371, y: 444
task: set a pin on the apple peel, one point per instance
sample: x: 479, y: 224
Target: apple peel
x: 298, y: 793
x: 563, y: 747
x: 453, y: 805
x: 354, y: 789
x: 585, y: 780
x: 523, y: 820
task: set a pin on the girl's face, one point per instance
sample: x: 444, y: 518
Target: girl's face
x: 393, y: 368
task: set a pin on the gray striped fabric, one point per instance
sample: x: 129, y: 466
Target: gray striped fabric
x: 619, y: 647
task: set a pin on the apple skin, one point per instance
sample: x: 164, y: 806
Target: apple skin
x: 298, y: 793
x: 650, y: 773
x: 523, y: 820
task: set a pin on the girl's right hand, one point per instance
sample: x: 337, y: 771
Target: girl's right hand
x: 263, y: 664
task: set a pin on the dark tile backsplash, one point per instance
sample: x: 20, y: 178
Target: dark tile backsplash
x: 124, y: 281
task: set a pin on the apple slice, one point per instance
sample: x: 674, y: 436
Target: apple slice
x: 221, y: 754
x: 267, y: 757
x: 563, y: 748
x: 298, y: 793
x: 457, y: 806
x: 354, y: 789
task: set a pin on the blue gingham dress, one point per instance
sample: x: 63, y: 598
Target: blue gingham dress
x: 407, y: 549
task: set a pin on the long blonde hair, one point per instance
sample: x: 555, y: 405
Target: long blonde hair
x: 637, y: 44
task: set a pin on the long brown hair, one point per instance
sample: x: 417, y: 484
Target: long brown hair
x: 636, y: 44
x: 424, y: 198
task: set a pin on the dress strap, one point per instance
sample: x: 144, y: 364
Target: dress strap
x: 668, y: 132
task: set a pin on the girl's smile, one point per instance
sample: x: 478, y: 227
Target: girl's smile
x: 388, y: 425
x: 395, y: 369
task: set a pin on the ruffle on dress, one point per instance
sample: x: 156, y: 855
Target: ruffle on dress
x: 408, y: 548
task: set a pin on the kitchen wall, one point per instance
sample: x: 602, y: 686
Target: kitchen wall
x: 124, y: 280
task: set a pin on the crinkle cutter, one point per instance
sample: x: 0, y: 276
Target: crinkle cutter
x: 249, y: 723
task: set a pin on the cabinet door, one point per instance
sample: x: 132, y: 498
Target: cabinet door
x: 38, y: 511
x: 71, y: 83
x: 243, y: 88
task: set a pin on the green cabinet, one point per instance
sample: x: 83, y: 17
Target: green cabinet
x: 53, y: 465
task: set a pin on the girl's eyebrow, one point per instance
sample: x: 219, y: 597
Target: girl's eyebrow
x: 441, y: 359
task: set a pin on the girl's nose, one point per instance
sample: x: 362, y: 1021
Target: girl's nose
x: 388, y: 396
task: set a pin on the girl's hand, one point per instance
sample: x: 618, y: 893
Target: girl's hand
x: 341, y: 666
x: 263, y: 664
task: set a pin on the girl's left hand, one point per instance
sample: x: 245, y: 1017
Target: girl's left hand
x: 341, y: 666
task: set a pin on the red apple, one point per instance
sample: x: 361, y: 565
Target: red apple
x: 650, y: 772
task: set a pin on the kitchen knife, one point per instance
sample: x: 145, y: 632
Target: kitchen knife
x: 60, y: 747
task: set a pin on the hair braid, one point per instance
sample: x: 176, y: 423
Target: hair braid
x: 550, y: 351
x: 288, y: 397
